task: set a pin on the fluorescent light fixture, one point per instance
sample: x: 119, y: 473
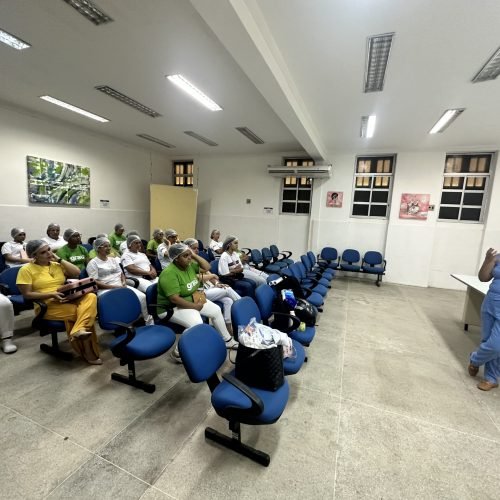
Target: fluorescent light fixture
x: 490, y: 70
x: 70, y: 107
x: 13, y: 41
x: 378, y: 49
x: 90, y: 11
x: 368, y: 126
x: 127, y: 100
x: 200, y: 138
x: 449, y: 116
x: 154, y: 139
x: 194, y: 92
x: 250, y: 135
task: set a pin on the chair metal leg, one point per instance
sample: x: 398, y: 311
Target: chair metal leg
x: 54, y: 349
x: 131, y: 378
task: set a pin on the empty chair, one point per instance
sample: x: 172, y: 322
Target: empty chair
x: 258, y: 262
x: 119, y: 309
x: 267, y: 259
x: 203, y: 353
x: 305, y: 292
x: 329, y: 257
x: 281, y: 256
x: 321, y: 266
x: 9, y: 287
x: 299, y: 271
x: 315, y: 273
x: 374, y: 263
x: 349, y: 260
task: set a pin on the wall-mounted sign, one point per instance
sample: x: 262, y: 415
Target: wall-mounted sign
x: 414, y: 206
x: 334, y: 199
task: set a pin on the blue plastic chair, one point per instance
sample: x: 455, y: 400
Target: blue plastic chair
x: 374, y: 263
x: 8, y: 287
x: 349, y: 260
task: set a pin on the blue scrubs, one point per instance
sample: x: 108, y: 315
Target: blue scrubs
x: 488, y: 353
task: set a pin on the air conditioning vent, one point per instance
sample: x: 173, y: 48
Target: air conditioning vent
x: 315, y: 172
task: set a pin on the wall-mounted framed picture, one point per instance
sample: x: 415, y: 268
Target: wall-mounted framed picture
x: 414, y: 206
x: 334, y: 199
x: 56, y: 183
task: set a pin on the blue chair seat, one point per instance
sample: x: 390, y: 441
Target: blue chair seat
x: 350, y: 267
x: 373, y: 270
x: 149, y: 342
x: 226, y: 395
x: 315, y: 299
x: 305, y: 337
x: 291, y: 366
x: 17, y: 299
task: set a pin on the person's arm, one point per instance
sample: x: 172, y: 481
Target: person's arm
x: 9, y: 258
x: 69, y: 269
x: 204, y: 265
x: 178, y: 301
x: 28, y: 293
x: 486, y: 271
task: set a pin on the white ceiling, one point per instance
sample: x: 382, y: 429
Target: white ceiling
x: 290, y: 70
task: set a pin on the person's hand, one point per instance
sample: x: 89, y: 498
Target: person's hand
x: 57, y: 296
x: 198, y: 306
x: 53, y: 257
x: 238, y: 269
x: 152, y: 273
x: 491, y: 254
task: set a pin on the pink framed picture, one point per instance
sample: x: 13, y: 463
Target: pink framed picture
x: 414, y: 206
x: 334, y: 199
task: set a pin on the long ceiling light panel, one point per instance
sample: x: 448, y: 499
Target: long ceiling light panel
x: 194, y: 92
x: 127, y: 100
x: 90, y: 11
x: 249, y: 134
x: 154, y: 139
x: 448, y: 117
x: 75, y: 109
x: 490, y: 70
x: 199, y: 137
x: 368, y: 126
x: 13, y: 41
x: 378, y: 49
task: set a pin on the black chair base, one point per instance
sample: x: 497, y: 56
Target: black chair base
x: 149, y: 388
x: 236, y: 445
x: 56, y: 352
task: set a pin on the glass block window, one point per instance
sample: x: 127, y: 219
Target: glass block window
x: 372, y: 186
x: 465, y: 185
x: 296, y: 192
x: 183, y: 173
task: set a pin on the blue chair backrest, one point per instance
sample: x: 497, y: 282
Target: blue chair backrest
x: 306, y: 262
x: 256, y: 256
x: 210, y: 254
x: 157, y: 265
x: 329, y: 253
x: 273, y: 277
x: 373, y: 258
x: 267, y: 256
x: 302, y: 269
x: 87, y: 246
x: 203, y: 352
x: 83, y: 274
x: 312, y: 258
x: 204, y: 255
x: 214, y: 267
x: 151, y: 298
x: 242, y: 311
x: 274, y: 251
x: 264, y: 296
x: 119, y: 304
x: 8, y: 277
x: 296, y: 271
x: 201, y: 246
x: 2, y: 260
x: 350, y: 255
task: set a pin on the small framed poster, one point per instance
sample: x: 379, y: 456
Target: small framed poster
x: 334, y: 199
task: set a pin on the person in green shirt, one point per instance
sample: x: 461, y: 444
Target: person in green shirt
x: 152, y: 248
x: 74, y: 251
x: 176, y: 287
x: 117, y: 237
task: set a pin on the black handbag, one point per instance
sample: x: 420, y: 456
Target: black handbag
x: 260, y: 368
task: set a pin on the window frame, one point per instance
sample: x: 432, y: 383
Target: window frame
x: 371, y: 188
x: 297, y: 162
x: 186, y: 175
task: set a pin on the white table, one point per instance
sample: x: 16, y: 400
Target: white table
x: 476, y: 290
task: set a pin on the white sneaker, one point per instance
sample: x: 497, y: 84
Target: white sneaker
x: 232, y: 344
x: 8, y: 347
x: 176, y: 356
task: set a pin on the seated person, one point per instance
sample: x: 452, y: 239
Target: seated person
x: 93, y: 253
x: 153, y: 244
x: 7, y: 325
x: 117, y: 237
x: 255, y: 275
x: 53, y: 238
x: 14, y: 252
x: 170, y: 238
x: 215, y: 245
x: 74, y: 251
x: 123, y: 244
x: 214, y: 289
x: 108, y: 274
x: 176, y: 286
x: 137, y: 265
x: 40, y: 280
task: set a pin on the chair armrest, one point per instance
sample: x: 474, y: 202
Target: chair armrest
x: 257, y: 403
x: 4, y: 289
x: 246, y: 251
x: 287, y: 253
x: 135, y: 281
x: 130, y: 330
x: 295, y: 321
x: 169, y: 309
x: 40, y: 316
x: 385, y: 264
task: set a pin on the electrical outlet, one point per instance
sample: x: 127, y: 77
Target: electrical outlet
x: 249, y: 201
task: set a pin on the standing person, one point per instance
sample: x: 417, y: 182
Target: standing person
x: 40, y: 280
x: 53, y: 238
x: 171, y: 237
x: 154, y: 243
x: 231, y: 268
x: 488, y: 352
x: 176, y: 287
x: 117, y: 237
x: 215, y: 245
x: 14, y: 252
x: 7, y: 325
x: 74, y: 251
x: 137, y: 265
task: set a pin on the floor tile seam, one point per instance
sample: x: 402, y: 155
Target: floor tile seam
x: 422, y: 421
x: 307, y: 387
x: 160, y: 490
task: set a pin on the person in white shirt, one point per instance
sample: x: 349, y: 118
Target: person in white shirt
x: 7, y: 325
x: 108, y: 274
x: 14, y: 252
x: 215, y: 245
x: 123, y: 244
x: 231, y: 269
x: 53, y: 238
x: 137, y: 265
x: 171, y: 237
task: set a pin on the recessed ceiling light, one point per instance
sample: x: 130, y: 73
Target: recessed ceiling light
x: 449, y: 116
x: 13, y: 41
x: 70, y: 107
x: 200, y: 138
x: 90, y: 11
x: 378, y: 49
x: 154, y: 139
x: 368, y: 126
x: 490, y: 70
x: 250, y: 135
x: 194, y: 92
x: 127, y: 100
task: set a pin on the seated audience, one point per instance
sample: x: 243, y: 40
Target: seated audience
x: 40, y: 280
x: 117, y: 237
x: 74, y: 251
x: 255, y: 275
x: 170, y: 238
x: 93, y: 253
x: 7, y: 325
x: 108, y: 274
x: 153, y: 244
x: 215, y: 245
x: 176, y: 286
x: 53, y: 238
x: 14, y: 252
x: 137, y: 265
x: 214, y: 289
x: 123, y: 244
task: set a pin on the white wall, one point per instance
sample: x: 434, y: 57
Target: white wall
x: 118, y: 172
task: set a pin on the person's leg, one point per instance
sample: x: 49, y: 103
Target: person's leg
x: 489, y: 348
x: 144, y: 283
x: 213, y: 312
x: 7, y: 325
x: 144, y: 306
x: 245, y: 287
x: 254, y: 277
